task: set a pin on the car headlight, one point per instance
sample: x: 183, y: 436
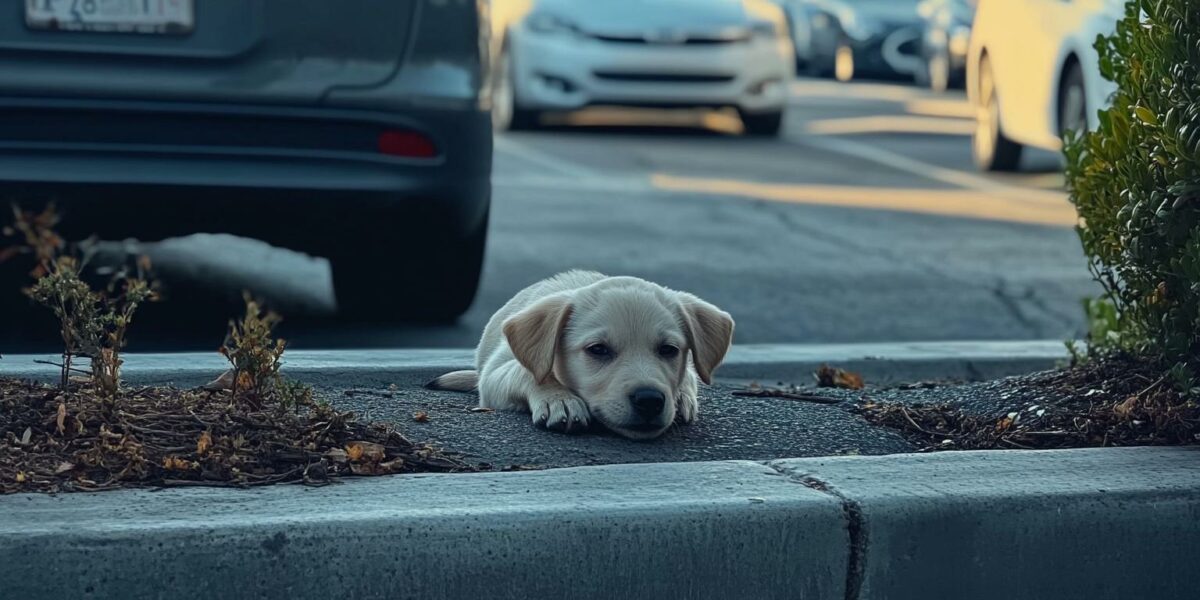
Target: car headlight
x: 549, y: 23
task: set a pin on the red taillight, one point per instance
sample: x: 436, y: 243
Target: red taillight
x: 409, y: 144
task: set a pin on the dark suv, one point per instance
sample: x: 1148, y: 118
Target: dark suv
x: 358, y: 130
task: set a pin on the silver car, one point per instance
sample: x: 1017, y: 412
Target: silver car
x: 357, y: 130
x: 562, y: 55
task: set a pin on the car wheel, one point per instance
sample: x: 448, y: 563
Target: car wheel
x: 767, y: 124
x: 436, y: 283
x: 989, y: 146
x: 507, y: 113
x: 843, y: 62
x: 1072, y: 103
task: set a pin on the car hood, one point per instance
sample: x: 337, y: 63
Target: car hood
x: 889, y: 11
x: 636, y: 16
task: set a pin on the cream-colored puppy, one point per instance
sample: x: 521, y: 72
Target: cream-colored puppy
x: 582, y: 347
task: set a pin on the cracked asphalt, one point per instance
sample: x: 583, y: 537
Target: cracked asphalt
x: 729, y: 428
x: 864, y: 222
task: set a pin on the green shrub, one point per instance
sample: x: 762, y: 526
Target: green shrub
x: 1136, y: 184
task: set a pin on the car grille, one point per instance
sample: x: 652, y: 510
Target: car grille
x: 684, y: 41
x: 664, y: 77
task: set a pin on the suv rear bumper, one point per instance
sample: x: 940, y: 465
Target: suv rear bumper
x: 295, y: 177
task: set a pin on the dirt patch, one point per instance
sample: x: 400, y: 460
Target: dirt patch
x: 53, y: 440
x: 1114, y: 402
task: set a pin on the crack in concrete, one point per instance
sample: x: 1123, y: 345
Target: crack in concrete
x: 856, y: 528
x: 1012, y: 305
x: 1017, y: 304
x: 1037, y: 301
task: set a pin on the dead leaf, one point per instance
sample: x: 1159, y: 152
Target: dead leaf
x: 244, y: 380
x: 482, y: 409
x: 63, y: 467
x: 421, y: 416
x: 60, y: 420
x: 828, y: 376
x: 204, y: 443
x: 1004, y: 424
x: 360, y: 451
x: 1126, y: 408
x: 174, y: 463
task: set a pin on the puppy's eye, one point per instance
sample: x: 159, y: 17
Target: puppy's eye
x: 668, y: 351
x: 599, y: 351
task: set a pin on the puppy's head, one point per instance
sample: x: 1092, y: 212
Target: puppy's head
x: 624, y: 346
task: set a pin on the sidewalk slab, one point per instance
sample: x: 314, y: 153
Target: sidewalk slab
x: 699, y: 530
x: 1063, y: 524
x: 879, y: 363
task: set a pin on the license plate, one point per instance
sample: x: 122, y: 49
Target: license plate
x: 111, y: 16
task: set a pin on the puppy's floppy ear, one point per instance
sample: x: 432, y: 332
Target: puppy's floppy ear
x: 709, y: 332
x: 534, y: 333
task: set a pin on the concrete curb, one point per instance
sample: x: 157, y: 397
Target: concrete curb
x: 1094, y: 524
x: 879, y: 363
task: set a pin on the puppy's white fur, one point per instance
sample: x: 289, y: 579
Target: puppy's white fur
x: 534, y: 354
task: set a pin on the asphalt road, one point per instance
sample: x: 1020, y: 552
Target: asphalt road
x: 864, y: 222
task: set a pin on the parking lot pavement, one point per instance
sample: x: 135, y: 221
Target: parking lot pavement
x: 864, y: 222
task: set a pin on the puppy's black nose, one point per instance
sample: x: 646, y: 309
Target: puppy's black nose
x: 647, y: 402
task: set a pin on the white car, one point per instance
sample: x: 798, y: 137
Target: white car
x: 1033, y: 74
x: 562, y: 55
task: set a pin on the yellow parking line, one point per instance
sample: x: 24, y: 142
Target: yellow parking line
x: 971, y: 204
x: 955, y: 109
x: 890, y: 124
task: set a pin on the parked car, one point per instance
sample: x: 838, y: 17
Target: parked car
x: 1033, y: 74
x: 355, y: 130
x: 874, y: 38
x: 944, y: 43
x: 565, y: 55
x: 799, y: 18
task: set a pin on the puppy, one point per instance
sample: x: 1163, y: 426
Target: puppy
x: 582, y: 347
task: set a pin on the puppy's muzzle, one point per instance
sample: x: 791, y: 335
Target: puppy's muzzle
x: 648, y: 403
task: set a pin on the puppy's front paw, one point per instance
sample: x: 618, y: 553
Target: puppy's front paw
x: 560, y: 412
x: 687, y: 408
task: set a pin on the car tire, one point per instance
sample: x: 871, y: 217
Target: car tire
x: 764, y: 124
x: 438, y: 286
x: 507, y: 112
x: 990, y: 148
x: 843, y: 62
x: 1072, y: 102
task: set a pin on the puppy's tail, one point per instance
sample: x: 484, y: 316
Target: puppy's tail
x: 458, y: 381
